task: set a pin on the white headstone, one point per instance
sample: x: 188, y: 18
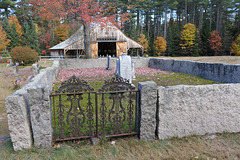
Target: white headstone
x: 133, y: 69
x: 124, y: 67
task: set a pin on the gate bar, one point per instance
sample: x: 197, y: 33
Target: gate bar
x: 96, y: 106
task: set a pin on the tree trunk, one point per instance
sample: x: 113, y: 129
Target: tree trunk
x: 218, y: 23
x: 138, y: 29
x: 200, y: 19
x: 186, y: 14
x: 87, y: 43
x: 165, y: 24
x: 211, y: 17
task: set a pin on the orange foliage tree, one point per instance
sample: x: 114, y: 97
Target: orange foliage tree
x: 14, y: 19
x: 215, y: 42
x: 235, y: 48
x: 62, y: 31
x: 143, y: 41
x: 160, y: 45
x: 188, y: 36
x: 3, y: 39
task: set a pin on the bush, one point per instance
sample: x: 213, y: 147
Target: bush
x: 3, y: 60
x: 24, y: 55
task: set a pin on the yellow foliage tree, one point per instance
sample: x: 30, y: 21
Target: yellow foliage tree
x: 188, y: 36
x: 235, y: 48
x: 143, y: 41
x: 62, y: 31
x: 18, y: 26
x: 3, y: 39
x: 160, y: 45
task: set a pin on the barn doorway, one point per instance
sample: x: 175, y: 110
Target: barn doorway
x: 107, y: 48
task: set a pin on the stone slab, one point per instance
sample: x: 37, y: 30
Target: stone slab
x: 147, y: 110
x: 18, y: 122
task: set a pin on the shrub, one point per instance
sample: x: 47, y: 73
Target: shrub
x: 24, y: 55
x: 3, y: 60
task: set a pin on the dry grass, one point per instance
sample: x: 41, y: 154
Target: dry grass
x: 6, y: 88
x: 224, y: 146
x: 211, y: 59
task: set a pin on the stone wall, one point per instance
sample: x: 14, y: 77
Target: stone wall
x: 218, y: 72
x: 97, y: 63
x: 26, y: 104
x: 198, y: 110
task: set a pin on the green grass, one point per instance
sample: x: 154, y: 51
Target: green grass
x: 224, y: 146
x: 173, y: 79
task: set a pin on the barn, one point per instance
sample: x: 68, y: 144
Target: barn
x: 105, y: 40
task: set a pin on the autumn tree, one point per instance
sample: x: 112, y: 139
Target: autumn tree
x: 143, y: 41
x: 62, y: 31
x: 188, y: 36
x: 235, y: 48
x: 215, y: 42
x: 160, y: 45
x: 3, y: 39
x: 82, y: 11
x: 13, y: 19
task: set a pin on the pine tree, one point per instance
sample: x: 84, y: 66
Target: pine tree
x: 11, y: 34
x: 15, y: 40
x: 173, y: 40
x: 29, y: 37
x: 196, y: 49
x: 205, y: 34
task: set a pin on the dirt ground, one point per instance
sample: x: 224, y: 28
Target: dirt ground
x: 211, y: 59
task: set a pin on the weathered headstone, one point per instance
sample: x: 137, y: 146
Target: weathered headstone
x: 16, y: 70
x: 124, y: 67
x: 108, y: 63
x: 35, y: 69
x: 11, y: 63
x: 133, y: 69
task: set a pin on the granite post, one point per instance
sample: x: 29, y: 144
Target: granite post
x: 147, y: 110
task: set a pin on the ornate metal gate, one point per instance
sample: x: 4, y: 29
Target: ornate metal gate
x: 80, y: 112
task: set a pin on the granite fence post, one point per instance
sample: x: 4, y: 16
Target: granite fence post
x: 18, y: 122
x: 147, y: 110
x: 41, y: 116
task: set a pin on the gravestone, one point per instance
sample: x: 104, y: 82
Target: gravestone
x: 16, y: 70
x: 133, y: 69
x: 109, y: 63
x: 10, y: 62
x: 124, y: 67
x: 35, y: 69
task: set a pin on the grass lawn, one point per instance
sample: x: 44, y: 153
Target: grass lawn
x: 223, y: 146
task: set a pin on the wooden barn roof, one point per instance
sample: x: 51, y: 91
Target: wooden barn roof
x: 99, y: 33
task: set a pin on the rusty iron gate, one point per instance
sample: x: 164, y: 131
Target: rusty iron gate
x: 80, y: 112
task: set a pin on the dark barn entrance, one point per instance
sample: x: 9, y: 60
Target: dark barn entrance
x: 107, y: 48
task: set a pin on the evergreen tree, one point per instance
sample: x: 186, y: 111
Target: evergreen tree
x: 173, y: 40
x: 205, y: 34
x: 11, y: 34
x: 196, y: 49
x: 29, y: 37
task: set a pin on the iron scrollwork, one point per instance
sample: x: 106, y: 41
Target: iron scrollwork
x: 76, y: 115
x: 117, y: 87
